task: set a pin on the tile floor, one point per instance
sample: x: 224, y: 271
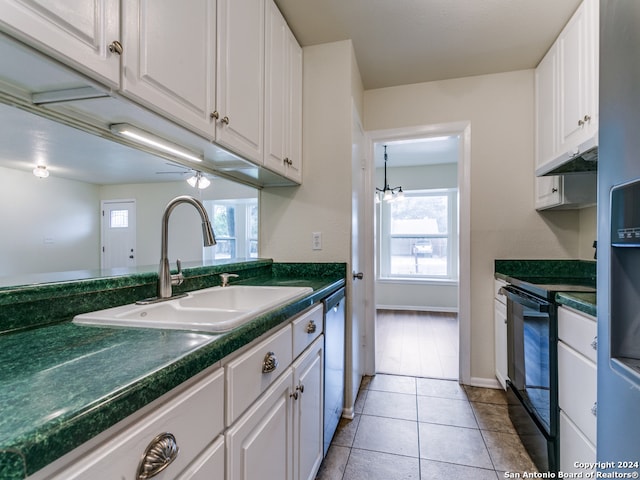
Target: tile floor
x: 422, y: 344
x: 420, y: 428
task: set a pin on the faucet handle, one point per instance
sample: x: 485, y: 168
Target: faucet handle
x: 177, y: 278
x: 224, y: 278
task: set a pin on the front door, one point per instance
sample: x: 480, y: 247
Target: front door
x: 118, y: 233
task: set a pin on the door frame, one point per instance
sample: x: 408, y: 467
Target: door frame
x: 463, y: 130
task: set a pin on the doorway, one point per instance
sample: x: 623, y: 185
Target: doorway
x: 421, y: 326
x: 118, y: 234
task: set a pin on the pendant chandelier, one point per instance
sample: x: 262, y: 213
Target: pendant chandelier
x: 387, y: 193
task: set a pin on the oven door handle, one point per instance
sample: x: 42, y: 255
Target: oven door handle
x: 523, y: 298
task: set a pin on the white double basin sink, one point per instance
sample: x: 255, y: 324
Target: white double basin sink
x: 214, y: 310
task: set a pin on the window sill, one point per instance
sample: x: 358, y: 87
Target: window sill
x: 418, y: 281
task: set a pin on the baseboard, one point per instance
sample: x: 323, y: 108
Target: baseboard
x: 417, y: 309
x: 484, y: 382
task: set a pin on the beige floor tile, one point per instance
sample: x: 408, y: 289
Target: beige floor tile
x: 434, y: 387
x: 446, y: 411
x: 507, y: 452
x: 463, y: 446
x: 393, y: 383
x: 492, y: 416
x: 388, y: 435
x: 486, y: 395
x: 334, y: 463
x: 430, y: 469
x: 346, y: 431
x: 392, y: 405
x: 367, y: 465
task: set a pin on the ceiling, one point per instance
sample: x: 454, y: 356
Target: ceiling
x: 412, y: 41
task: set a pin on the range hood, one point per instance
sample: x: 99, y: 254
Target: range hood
x: 40, y: 85
x: 583, y: 161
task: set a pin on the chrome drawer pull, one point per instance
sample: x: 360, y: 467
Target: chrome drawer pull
x: 270, y: 363
x: 159, y: 454
x: 594, y: 344
x: 311, y: 327
x: 594, y: 409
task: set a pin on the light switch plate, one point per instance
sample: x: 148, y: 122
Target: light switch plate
x: 316, y: 241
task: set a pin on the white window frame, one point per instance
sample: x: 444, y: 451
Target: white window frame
x: 241, y: 235
x: 384, y: 237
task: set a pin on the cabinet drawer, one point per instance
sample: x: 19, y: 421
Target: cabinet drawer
x: 306, y: 328
x: 577, y: 389
x: 210, y: 464
x: 574, y: 446
x: 579, y: 332
x: 245, y: 377
x: 194, y: 418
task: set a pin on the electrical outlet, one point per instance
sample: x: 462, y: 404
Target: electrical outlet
x: 316, y: 241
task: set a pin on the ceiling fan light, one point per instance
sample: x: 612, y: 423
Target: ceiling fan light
x: 41, y: 171
x: 203, y: 183
x: 193, y: 180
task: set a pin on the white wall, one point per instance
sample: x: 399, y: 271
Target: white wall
x: 504, y: 223
x: 588, y: 232
x: 185, y: 231
x: 48, y: 225
x: 409, y: 295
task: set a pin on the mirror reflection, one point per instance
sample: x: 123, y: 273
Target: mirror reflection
x: 98, y: 212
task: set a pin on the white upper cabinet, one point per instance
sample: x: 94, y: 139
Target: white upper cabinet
x: 567, y: 92
x: 169, y: 59
x: 76, y: 32
x: 283, y: 110
x: 578, y: 101
x: 240, y: 86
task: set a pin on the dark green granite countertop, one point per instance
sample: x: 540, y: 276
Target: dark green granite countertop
x: 584, y: 302
x: 548, y: 270
x: 62, y: 384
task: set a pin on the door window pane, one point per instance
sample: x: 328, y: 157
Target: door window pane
x: 119, y: 219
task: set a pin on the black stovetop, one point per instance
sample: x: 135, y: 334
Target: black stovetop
x: 547, y: 287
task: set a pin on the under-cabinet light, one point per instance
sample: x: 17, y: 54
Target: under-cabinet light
x: 152, y: 140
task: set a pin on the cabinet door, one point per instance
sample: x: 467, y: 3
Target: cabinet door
x: 240, y: 82
x: 259, y: 444
x: 276, y: 90
x: 548, y: 191
x: 577, y: 46
x: 546, y: 82
x: 574, y: 447
x: 76, y: 32
x: 500, y: 325
x: 169, y: 59
x: 308, y: 425
x: 283, y: 89
x: 209, y: 465
x: 577, y: 389
x: 294, y: 124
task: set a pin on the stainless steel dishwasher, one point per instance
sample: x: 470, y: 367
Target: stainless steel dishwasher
x: 334, y: 328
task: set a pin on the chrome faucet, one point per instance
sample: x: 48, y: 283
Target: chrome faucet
x: 165, y: 279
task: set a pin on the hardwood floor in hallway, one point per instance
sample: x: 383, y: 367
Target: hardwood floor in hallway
x: 418, y: 344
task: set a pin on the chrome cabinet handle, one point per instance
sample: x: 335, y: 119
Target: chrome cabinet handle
x: 594, y: 409
x: 159, y: 454
x: 554, y: 190
x: 594, y: 344
x: 270, y: 362
x: 358, y: 276
x: 215, y: 115
x: 311, y: 327
x: 298, y: 392
x: 587, y: 118
x: 116, y: 47
x: 225, y: 120
x: 580, y: 123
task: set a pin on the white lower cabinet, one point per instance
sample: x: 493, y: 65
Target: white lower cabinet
x: 500, y: 333
x: 260, y: 444
x: 577, y: 392
x: 268, y: 425
x: 187, y: 426
x: 281, y: 434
